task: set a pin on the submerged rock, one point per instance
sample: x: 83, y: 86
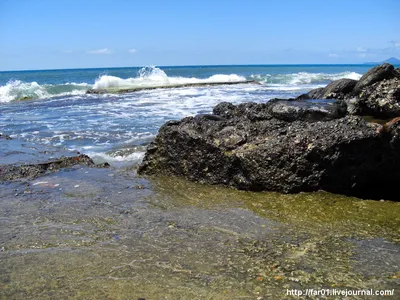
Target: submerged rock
x: 5, y: 136
x: 11, y: 172
x: 124, y: 90
x: 21, y: 159
x: 268, y: 147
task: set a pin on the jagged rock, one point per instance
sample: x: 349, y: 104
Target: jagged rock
x: 378, y: 73
x: 250, y: 110
x: 381, y: 99
x: 337, y: 89
x: 377, y: 93
x: 254, y: 150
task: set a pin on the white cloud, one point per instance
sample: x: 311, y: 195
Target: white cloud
x: 132, y: 51
x: 395, y: 44
x: 363, y: 55
x: 361, y: 49
x: 67, y: 51
x: 333, y: 55
x: 100, y: 51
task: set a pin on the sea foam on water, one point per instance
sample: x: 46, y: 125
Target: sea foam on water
x: 153, y: 77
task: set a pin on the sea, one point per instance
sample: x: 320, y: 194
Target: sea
x: 52, y: 107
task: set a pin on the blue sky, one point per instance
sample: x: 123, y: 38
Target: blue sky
x: 47, y: 34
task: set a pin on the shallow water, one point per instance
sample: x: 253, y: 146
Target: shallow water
x: 108, y: 234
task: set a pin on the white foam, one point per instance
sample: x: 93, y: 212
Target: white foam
x: 302, y: 78
x: 351, y: 75
x: 307, y: 78
x: 17, y: 89
x: 284, y: 87
x: 118, y: 160
x: 79, y: 84
x: 153, y: 77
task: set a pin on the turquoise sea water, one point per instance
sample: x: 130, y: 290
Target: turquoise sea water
x: 51, y: 106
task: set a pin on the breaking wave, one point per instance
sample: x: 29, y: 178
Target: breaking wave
x: 304, y: 78
x: 19, y: 90
x: 153, y: 77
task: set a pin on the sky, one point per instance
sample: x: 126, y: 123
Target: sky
x: 57, y: 34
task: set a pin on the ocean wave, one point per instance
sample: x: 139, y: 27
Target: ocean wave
x: 153, y: 77
x: 303, y: 78
x: 19, y: 90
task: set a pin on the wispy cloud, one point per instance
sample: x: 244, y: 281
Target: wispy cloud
x: 333, y: 55
x: 361, y: 49
x: 67, y: 51
x: 132, y: 50
x: 100, y: 51
x: 395, y: 44
x: 364, y: 54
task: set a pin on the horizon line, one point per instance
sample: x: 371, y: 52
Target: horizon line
x: 182, y: 66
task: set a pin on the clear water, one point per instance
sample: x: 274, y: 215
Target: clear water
x: 51, y: 106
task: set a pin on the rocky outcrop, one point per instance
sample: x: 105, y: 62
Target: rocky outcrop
x: 376, y: 94
x: 381, y: 99
x: 318, y: 141
x: 376, y: 74
x: 254, y: 150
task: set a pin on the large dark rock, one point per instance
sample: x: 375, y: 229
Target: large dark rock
x: 337, y: 89
x: 376, y: 94
x: 255, y: 150
x: 381, y: 100
x: 286, y: 110
x: 378, y: 73
x: 311, y: 111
